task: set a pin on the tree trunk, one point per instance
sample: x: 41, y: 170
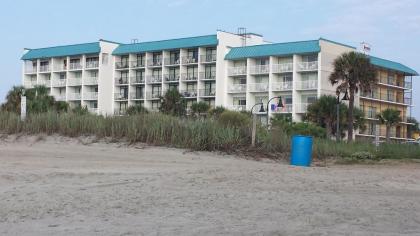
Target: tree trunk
x: 388, y: 133
x: 329, y: 129
x: 350, y: 116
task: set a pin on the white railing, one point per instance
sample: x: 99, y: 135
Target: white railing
x: 189, y: 93
x: 237, y: 107
x: 189, y: 76
x: 46, y: 83
x: 308, y: 66
x: 60, y: 97
x: 90, y: 95
x: 30, y: 70
x: 121, y: 81
x: 60, y: 67
x: 237, y: 88
x: 120, y: 96
x: 45, y: 68
x: 258, y: 87
x: 282, y: 86
x: 93, y: 110
x: 288, y: 108
x: 233, y: 71
x: 282, y: 68
x: 302, y: 107
x: 135, y: 95
x: 189, y: 60
x: 75, y: 66
x: 90, y: 81
x: 74, y: 96
x: 154, y: 79
x: 137, y: 80
x: 59, y: 83
x: 92, y: 64
x: 261, y: 69
x: 308, y: 84
x: 74, y: 81
x: 29, y: 84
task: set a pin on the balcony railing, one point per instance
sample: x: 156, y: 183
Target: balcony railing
x: 237, y: 88
x: 90, y: 96
x: 93, y: 110
x: 258, y: 87
x: 171, y: 78
x: 261, y: 69
x: 154, y: 79
x: 236, y: 71
x: 121, y: 81
x: 308, y: 66
x: 172, y: 61
x: 208, y: 75
x: 91, y: 81
x: 154, y: 95
x: 408, y: 85
x: 208, y: 58
x: 154, y: 62
x: 60, y: 67
x: 189, y: 93
x: 282, y: 68
x: 307, y: 84
x: 137, y: 63
x: 137, y: 80
x: 189, y: 77
x: 92, y: 64
x: 30, y: 70
x: 45, y: 68
x: 75, y: 66
x: 302, y: 107
x: 121, y: 96
x: 287, y: 108
x: 136, y: 96
x: 387, y: 97
x: 59, y: 83
x: 120, y: 112
x: 60, y: 97
x: 74, y: 96
x: 207, y: 92
x: 30, y: 84
x: 189, y: 60
x: 74, y: 81
x: 282, y: 86
x: 237, y: 107
x: 121, y: 64
x: 46, y: 83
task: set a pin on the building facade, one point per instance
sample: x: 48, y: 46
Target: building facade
x: 235, y: 71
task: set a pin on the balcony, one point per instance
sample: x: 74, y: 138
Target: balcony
x: 137, y: 96
x: 90, y: 96
x: 75, y: 66
x: 60, y: 67
x: 30, y: 70
x: 171, y: 78
x: 91, y: 81
x: 30, y: 84
x: 395, y: 83
x: 307, y: 85
x: 74, y: 96
x: 282, y: 68
x: 120, y: 96
x: 237, y: 107
x: 237, y: 88
x: 302, y: 107
x: 136, y: 80
x: 189, y: 60
x: 260, y: 70
x: 154, y: 95
x: 59, y: 83
x: 93, y: 110
x: 392, y: 98
x: 282, y: 86
x: 258, y: 87
x: 207, y: 92
x: 154, y: 79
x: 74, y: 82
x: 154, y: 63
x: 60, y: 97
x: 137, y: 64
x: 172, y: 61
x: 121, y: 81
x: 45, y: 68
x: 46, y: 83
x: 210, y: 58
x: 120, y: 112
x: 308, y: 66
x: 189, y: 93
x: 237, y: 71
x: 208, y: 75
x: 288, y: 108
x: 92, y: 64
x: 121, y: 65
x: 189, y: 77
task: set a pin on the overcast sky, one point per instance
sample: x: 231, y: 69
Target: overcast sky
x: 391, y: 27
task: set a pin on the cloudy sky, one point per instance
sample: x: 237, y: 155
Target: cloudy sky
x: 391, y: 27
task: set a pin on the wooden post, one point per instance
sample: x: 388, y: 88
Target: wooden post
x: 254, y: 129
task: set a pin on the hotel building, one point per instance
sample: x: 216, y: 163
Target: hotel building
x: 235, y: 71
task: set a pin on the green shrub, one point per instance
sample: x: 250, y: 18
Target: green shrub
x: 136, y: 109
x: 235, y: 119
x: 362, y: 156
x: 198, y: 108
x: 217, y: 111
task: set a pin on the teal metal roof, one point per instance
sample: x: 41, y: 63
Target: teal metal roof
x: 60, y: 51
x: 274, y: 49
x: 199, y: 41
x: 392, y: 65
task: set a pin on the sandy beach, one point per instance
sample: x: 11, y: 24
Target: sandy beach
x: 59, y: 186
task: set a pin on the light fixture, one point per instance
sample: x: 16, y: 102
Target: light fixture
x: 261, y: 109
x: 280, y: 102
x: 346, y: 96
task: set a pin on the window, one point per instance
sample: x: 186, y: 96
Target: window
x: 311, y: 99
x: 193, y: 53
x: 157, y: 73
x: 124, y: 60
x: 94, y: 105
x: 310, y: 58
x: 156, y: 90
x: 263, y: 61
x: 157, y: 58
x: 94, y: 74
x: 139, y: 92
x: 174, y: 57
x: 78, y: 74
x: 44, y: 63
x: 288, y: 100
x: 371, y: 129
x: 123, y: 106
x: 210, y: 72
x: 155, y: 105
x: 192, y: 87
x: 124, y: 75
x: 63, y: 76
x: 140, y: 59
x: 240, y: 101
x: 105, y: 57
x: 139, y: 75
x: 287, y: 78
x: 192, y: 72
x: 173, y: 86
x: 371, y: 112
x: 173, y: 72
x: 124, y: 92
x: 390, y: 95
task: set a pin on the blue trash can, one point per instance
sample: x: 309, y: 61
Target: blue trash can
x: 301, y: 150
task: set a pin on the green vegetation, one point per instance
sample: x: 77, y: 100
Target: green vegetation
x: 411, y: 129
x: 389, y: 117
x: 173, y: 103
x: 199, y: 108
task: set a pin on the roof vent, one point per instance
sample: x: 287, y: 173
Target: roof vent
x: 133, y: 41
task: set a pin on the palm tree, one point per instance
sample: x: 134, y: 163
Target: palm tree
x: 323, y: 113
x: 199, y: 108
x: 389, y: 117
x: 12, y: 103
x: 173, y: 103
x: 352, y: 72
